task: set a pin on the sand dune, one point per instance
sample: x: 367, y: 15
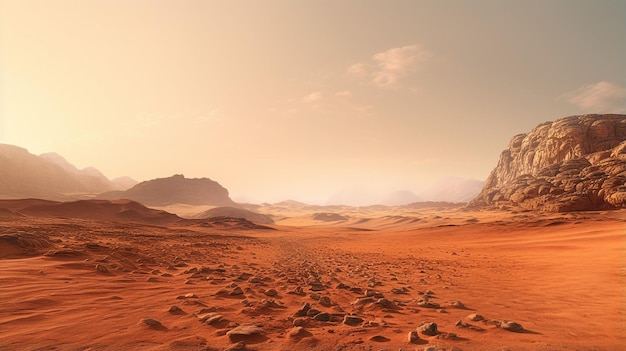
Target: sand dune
x: 488, y: 280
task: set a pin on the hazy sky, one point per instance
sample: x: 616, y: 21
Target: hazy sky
x: 300, y: 99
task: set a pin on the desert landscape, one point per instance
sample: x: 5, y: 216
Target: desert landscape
x: 494, y: 274
x: 487, y: 280
x: 241, y: 175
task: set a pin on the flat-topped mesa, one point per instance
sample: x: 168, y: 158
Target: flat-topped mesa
x: 575, y: 163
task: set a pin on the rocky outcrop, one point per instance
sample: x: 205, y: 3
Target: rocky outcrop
x: 576, y: 163
x: 175, y: 190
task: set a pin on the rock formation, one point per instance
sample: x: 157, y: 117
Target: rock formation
x: 576, y: 163
x: 175, y: 190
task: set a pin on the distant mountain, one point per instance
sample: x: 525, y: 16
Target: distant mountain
x: 575, y: 163
x: 123, y: 183
x: 90, y: 178
x: 175, y: 190
x: 50, y: 176
x: 453, y: 189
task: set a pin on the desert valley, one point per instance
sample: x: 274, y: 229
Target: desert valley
x: 536, y: 261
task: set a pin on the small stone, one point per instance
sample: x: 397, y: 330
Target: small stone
x: 324, y: 301
x: 352, y: 320
x: 427, y: 328
x: 511, y: 326
x: 243, y: 332
x: 322, y: 317
x: 312, y: 312
x: 102, y: 268
x: 457, y: 304
x: 475, y: 317
x: 303, y: 310
x: 175, y: 309
x: 315, y: 296
x: 270, y: 292
x: 237, y: 291
x: 413, y: 337
x: 150, y: 322
x: 295, y: 332
x: 379, y: 338
x: 240, y: 346
x: 386, y: 303
x: 299, y: 322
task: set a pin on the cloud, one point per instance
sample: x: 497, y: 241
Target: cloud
x: 386, y: 69
x: 313, y: 97
x: 601, y: 97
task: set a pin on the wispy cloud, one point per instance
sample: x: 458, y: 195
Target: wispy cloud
x: 599, y: 97
x: 388, y: 68
x: 312, y: 97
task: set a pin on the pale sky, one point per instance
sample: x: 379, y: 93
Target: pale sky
x: 300, y: 99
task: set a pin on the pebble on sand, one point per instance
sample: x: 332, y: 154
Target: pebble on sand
x: 511, y: 326
x: 413, y: 336
x: 243, y: 331
x: 352, y: 320
x: 475, y: 317
x: 428, y: 328
x: 150, y: 322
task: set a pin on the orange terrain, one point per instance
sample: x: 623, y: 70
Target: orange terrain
x: 454, y: 281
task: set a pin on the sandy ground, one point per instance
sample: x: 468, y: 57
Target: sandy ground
x: 365, y: 283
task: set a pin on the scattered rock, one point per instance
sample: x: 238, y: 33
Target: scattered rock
x: 151, y: 322
x: 511, y: 326
x: 322, y: 317
x: 475, y: 317
x: 240, y: 346
x: 380, y: 338
x: 296, y: 332
x: 427, y: 328
x: 352, y: 320
x: 102, y: 268
x: 458, y: 304
x: 324, y: 301
x: 270, y: 292
x: 413, y: 337
x: 303, y: 310
x: 244, y: 332
x: 175, y: 309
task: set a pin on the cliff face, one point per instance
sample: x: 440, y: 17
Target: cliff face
x: 575, y: 163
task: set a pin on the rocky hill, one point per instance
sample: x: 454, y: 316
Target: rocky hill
x: 100, y: 210
x: 576, y: 163
x: 175, y: 190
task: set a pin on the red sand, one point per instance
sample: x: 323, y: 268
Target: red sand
x: 563, y: 278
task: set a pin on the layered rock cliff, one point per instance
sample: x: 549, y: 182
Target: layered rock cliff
x: 576, y: 163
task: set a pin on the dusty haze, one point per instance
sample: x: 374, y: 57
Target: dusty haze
x: 301, y: 99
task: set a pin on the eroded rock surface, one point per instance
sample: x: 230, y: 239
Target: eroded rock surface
x: 576, y: 163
